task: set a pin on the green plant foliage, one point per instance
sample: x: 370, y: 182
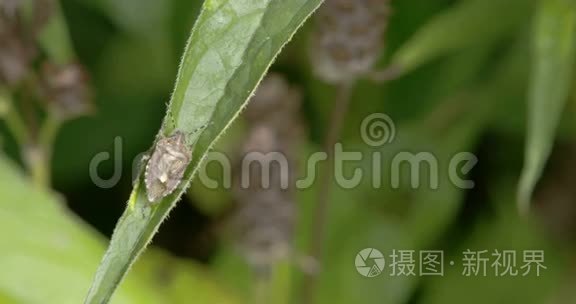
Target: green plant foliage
x: 493, y: 78
x: 231, y: 46
x: 57, y: 255
x: 554, y: 48
x: 466, y: 25
x: 506, y: 231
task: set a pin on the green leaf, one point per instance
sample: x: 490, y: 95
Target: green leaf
x: 472, y: 23
x: 51, y: 252
x: 232, y: 45
x: 503, y: 230
x: 554, y: 46
x: 175, y: 279
x: 52, y: 256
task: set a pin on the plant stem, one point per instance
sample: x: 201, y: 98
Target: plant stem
x: 35, y: 154
x: 341, y: 105
x: 280, y: 282
x: 42, y: 151
x: 12, y: 118
x: 274, y: 286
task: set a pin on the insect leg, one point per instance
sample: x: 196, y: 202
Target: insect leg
x: 139, y: 165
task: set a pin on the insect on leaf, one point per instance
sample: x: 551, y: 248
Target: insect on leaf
x: 230, y: 48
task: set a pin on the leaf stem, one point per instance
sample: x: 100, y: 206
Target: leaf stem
x: 41, y: 169
x: 12, y: 118
x: 341, y: 105
x: 36, y: 154
x: 273, y: 285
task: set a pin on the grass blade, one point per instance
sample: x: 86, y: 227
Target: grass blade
x: 463, y: 26
x: 231, y: 46
x: 554, y: 48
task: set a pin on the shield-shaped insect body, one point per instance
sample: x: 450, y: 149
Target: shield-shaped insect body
x: 166, y: 166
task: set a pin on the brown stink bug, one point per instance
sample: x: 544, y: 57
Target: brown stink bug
x: 166, y: 166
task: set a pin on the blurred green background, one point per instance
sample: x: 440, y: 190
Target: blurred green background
x: 465, y: 88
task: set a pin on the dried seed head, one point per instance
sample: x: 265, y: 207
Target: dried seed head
x: 17, y: 50
x: 348, y: 38
x: 261, y: 138
x: 276, y: 106
x: 264, y: 229
x: 275, y: 126
x: 14, y: 61
x: 36, y: 13
x: 9, y: 8
x: 275, y: 102
x: 67, y: 90
x: 18, y: 36
x: 166, y: 166
x: 42, y: 11
x: 263, y: 224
